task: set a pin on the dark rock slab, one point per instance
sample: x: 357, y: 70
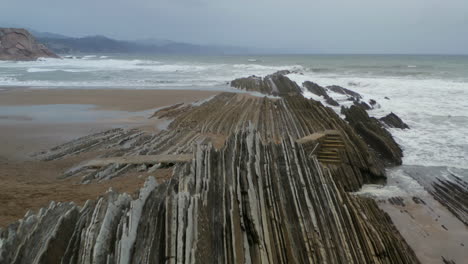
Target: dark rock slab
x: 374, y: 134
x: 315, y: 89
x: 362, y: 104
x: 332, y: 102
x: 275, y: 84
x: 392, y: 120
x: 342, y: 90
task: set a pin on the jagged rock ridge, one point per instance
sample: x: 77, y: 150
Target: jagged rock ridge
x: 19, y: 44
x: 392, y: 120
x: 372, y: 131
x: 253, y: 193
x: 274, y: 84
x: 247, y: 202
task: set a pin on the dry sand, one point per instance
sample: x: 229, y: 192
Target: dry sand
x: 28, y: 184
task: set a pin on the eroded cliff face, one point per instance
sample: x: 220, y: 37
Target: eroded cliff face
x: 254, y: 191
x: 19, y: 44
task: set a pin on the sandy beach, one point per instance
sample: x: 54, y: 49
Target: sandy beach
x: 29, y: 184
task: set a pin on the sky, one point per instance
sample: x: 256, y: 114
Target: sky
x: 298, y: 26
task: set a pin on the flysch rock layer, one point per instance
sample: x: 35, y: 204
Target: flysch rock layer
x: 19, y: 44
x: 248, y: 202
x: 253, y: 193
x: 214, y: 121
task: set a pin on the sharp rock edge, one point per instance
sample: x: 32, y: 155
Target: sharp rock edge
x: 249, y: 201
x: 252, y: 193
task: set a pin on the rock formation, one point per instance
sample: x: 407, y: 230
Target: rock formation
x: 274, y: 84
x: 19, y: 44
x: 247, y: 202
x: 392, y: 120
x: 341, y: 90
x: 374, y: 134
x: 320, y: 91
x: 315, y: 89
x: 254, y: 191
x: 449, y: 190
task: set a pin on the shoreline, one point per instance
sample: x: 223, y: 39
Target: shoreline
x: 411, y: 219
x: 131, y: 100
x: 30, y: 184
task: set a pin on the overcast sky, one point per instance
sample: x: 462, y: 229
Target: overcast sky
x: 310, y: 26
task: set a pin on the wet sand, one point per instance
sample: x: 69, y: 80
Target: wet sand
x: 108, y: 99
x: 430, y: 229
x: 29, y: 184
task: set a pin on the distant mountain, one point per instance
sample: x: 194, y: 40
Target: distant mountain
x: 100, y: 44
x: 38, y: 34
x: 154, y: 41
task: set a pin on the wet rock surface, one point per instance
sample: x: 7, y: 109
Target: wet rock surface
x: 341, y: 90
x: 315, y: 89
x: 19, y: 44
x: 253, y: 192
x: 392, y: 120
x: 274, y: 84
x: 449, y: 190
x: 247, y: 202
x: 374, y: 134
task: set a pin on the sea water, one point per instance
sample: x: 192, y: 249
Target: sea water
x: 430, y: 93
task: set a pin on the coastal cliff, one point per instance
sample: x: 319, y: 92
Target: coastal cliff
x: 19, y: 44
x: 267, y: 180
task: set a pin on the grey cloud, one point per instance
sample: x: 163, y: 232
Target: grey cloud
x: 334, y: 26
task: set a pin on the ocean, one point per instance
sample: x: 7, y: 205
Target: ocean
x: 430, y: 93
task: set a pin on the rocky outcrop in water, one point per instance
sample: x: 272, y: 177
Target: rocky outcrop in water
x: 255, y: 191
x: 275, y: 84
x: 342, y: 90
x: 19, y: 44
x: 320, y: 91
x: 392, y: 120
x: 315, y: 89
x: 374, y: 134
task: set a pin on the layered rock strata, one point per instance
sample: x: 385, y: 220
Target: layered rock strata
x: 449, y: 190
x: 215, y: 120
x: 249, y: 202
x: 275, y: 84
x: 19, y: 44
x: 254, y: 192
x: 372, y: 131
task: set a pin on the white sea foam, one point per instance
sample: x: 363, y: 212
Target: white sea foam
x: 112, y: 72
x: 436, y: 111
x: 398, y: 184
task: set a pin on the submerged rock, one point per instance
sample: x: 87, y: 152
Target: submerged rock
x: 392, y: 120
x: 19, y: 44
x: 320, y: 91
